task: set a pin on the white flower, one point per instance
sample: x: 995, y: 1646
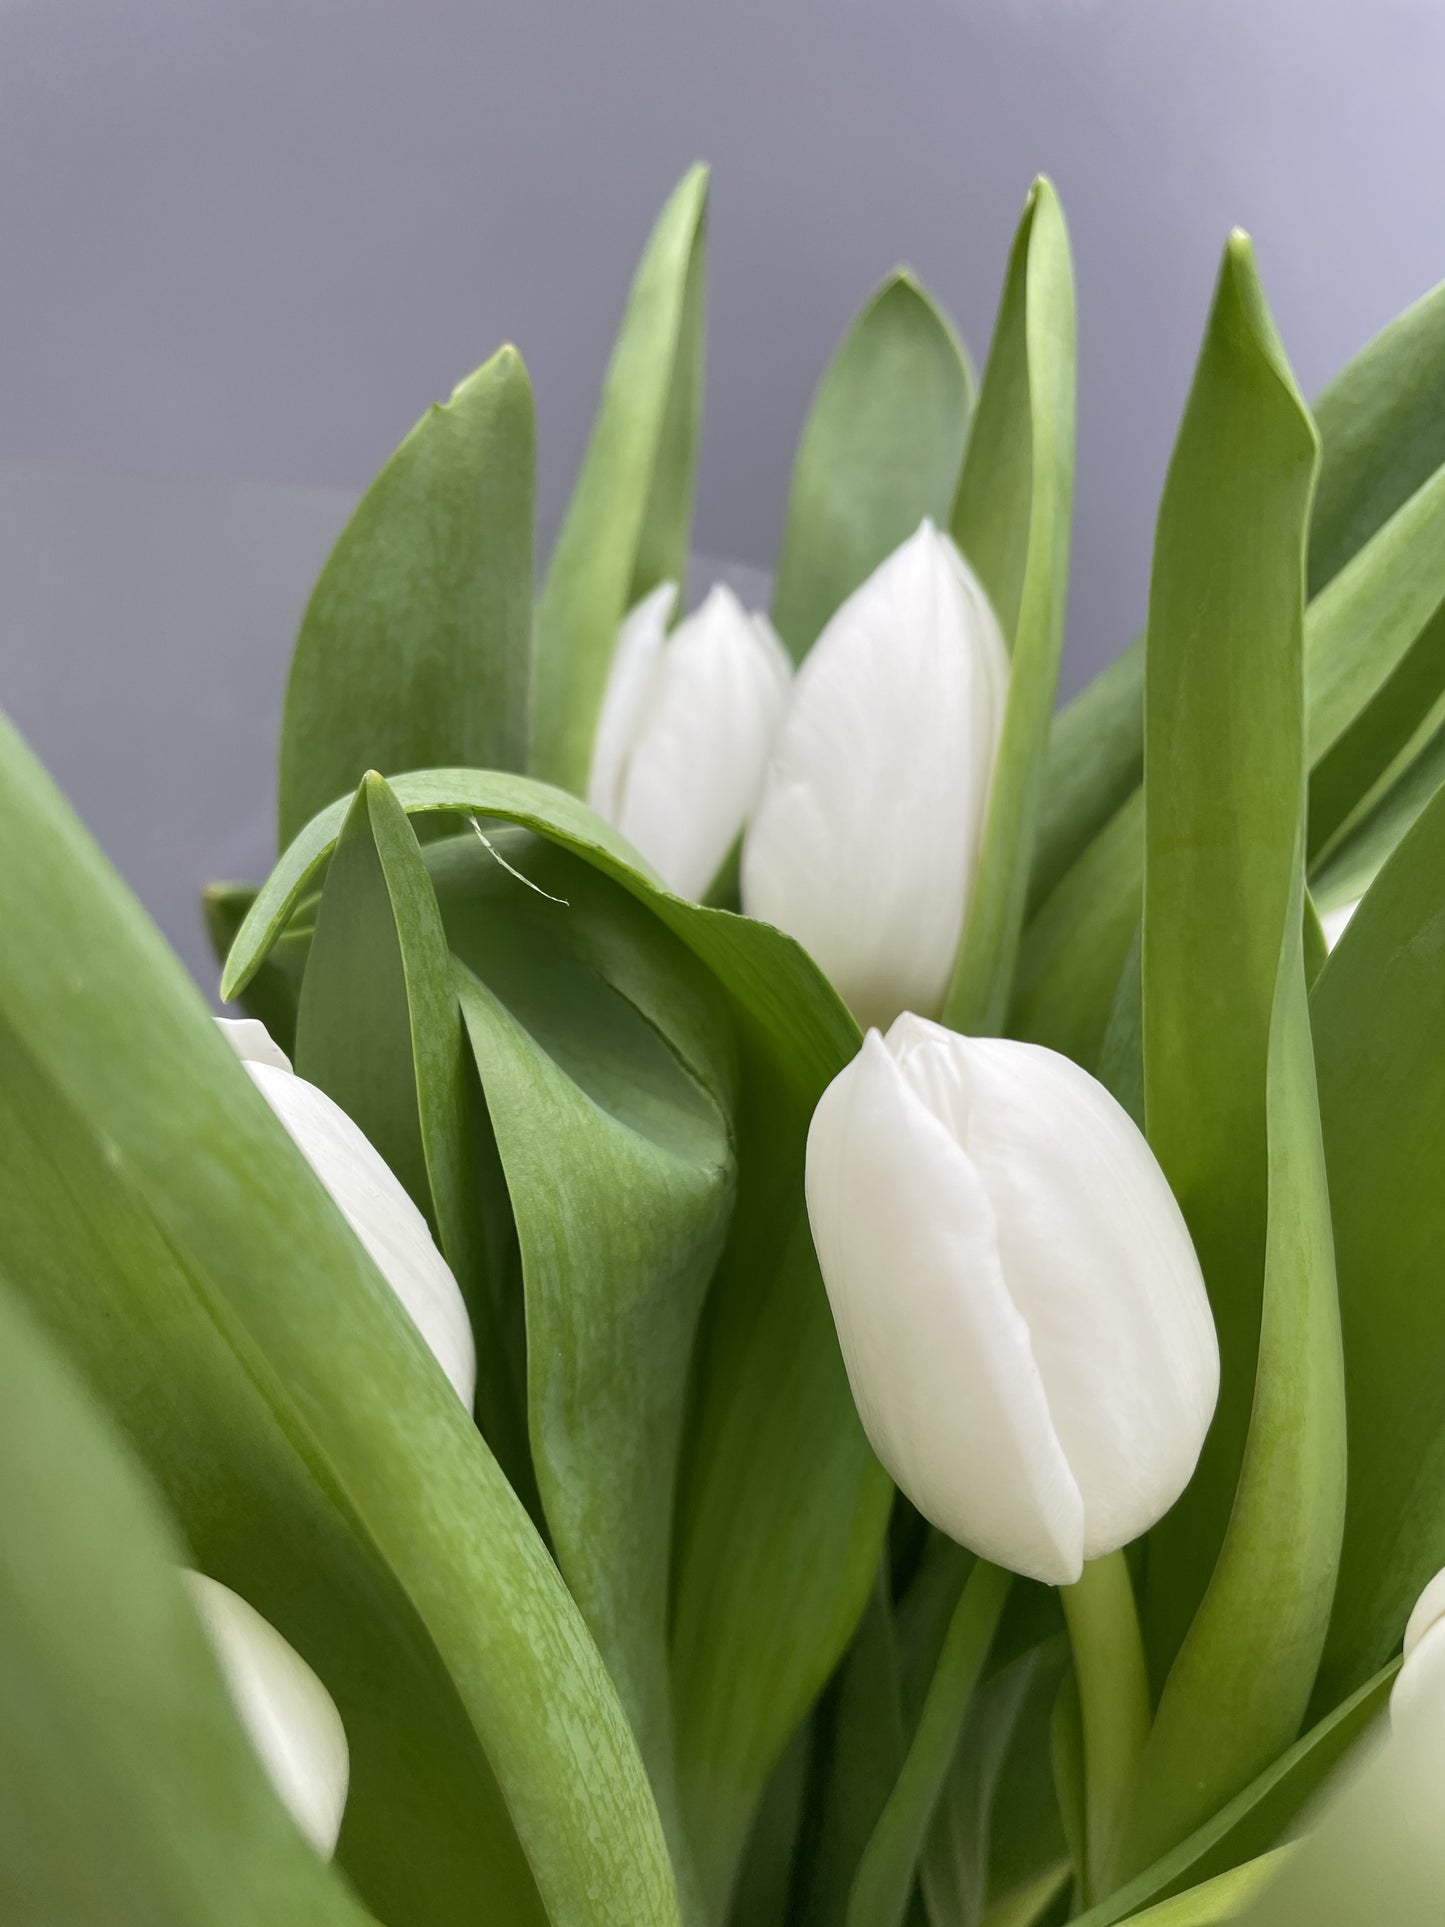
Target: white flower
x: 371, y: 1199
x: 1018, y: 1302
x: 288, y: 1714
x: 1420, y: 1682
x: 686, y: 725
x: 865, y: 842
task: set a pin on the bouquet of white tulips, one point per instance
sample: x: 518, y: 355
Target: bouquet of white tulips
x: 798, y: 1294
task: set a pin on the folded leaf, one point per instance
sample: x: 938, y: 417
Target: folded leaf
x: 132, y: 1795
x: 1012, y: 520
x: 1228, y: 1075
x: 416, y: 646
x: 881, y: 448
x: 271, y: 996
x: 627, y: 526
x: 167, y: 1230
x: 380, y: 1030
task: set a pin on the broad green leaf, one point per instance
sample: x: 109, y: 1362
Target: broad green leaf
x: 1382, y: 434
x: 889, y: 1867
x: 1229, y: 1098
x: 1012, y: 519
x: 131, y: 1795
x: 158, y: 1217
x: 782, y: 1506
x: 1385, y: 816
x: 380, y: 1030
x: 763, y: 1891
x: 605, y: 1053
x: 1220, y: 1898
x: 627, y: 525
x: 1255, y: 1819
x: 271, y: 996
x: 416, y: 646
x: 1382, y: 431
x: 1379, y: 1020
x: 881, y: 449
x: 1034, y: 1901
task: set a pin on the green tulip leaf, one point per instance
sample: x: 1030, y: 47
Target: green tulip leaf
x: 1382, y: 430
x: 782, y: 1506
x: 168, y: 1232
x: 1254, y: 1820
x: 605, y: 1052
x: 380, y: 1031
x: 627, y: 526
x: 1220, y: 1898
x: 1379, y: 1019
x: 272, y: 994
x: 416, y: 646
x: 1229, y: 1075
x: 132, y: 1795
x: 880, y: 450
x: 1012, y: 520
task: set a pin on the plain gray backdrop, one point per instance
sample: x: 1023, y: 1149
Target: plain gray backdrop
x: 245, y: 242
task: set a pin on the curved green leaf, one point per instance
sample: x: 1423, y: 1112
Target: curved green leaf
x: 416, y: 645
x: 1228, y: 1070
x: 1379, y: 1018
x: 161, y: 1221
x: 271, y: 996
x: 1255, y: 1819
x: 380, y: 1030
x: 131, y: 1794
x: 881, y: 449
x: 605, y: 1054
x: 1220, y: 1898
x: 782, y: 1506
x: 1382, y: 431
x: 1012, y: 519
x: 626, y: 527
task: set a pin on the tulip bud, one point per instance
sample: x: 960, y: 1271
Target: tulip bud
x: 1420, y: 1682
x: 1017, y: 1299
x: 865, y: 841
x: 686, y: 725
x: 371, y: 1199
x: 289, y: 1717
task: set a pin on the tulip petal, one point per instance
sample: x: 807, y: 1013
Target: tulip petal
x: 288, y: 1714
x: 1098, y: 1262
x: 702, y: 740
x: 252, y: 1042
x: 635, y: 661
x: 1429, y: 1608
x: 865, y: 841
x: 938, y: 1356
x: 1420, y: 1683
x: 375, y: 1204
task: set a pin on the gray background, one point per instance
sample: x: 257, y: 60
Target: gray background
x: 246, y: 241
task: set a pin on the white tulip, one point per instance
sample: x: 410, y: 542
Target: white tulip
x: 370, y: 1197
x: 289, y: 1716
x: 1018, y: 1302
x: 1420, y: 1682
x: 686, y: 726
x: 865, y: 842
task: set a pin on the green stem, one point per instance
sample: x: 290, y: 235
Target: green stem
x: 884, y: 1880
x: 1114, y: 1706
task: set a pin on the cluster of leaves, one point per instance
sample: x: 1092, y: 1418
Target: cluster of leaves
x: 652, y: 1639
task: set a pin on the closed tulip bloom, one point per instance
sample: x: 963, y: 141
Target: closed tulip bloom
x: 687, y: 722
x: 289, y: 1716
x: 865, y: 842
x: 1420, y: 1683
x: 1018, y: 1302
x: 371, y: 1198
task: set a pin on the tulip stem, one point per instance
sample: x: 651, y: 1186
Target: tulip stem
x: 1113, y: 1685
